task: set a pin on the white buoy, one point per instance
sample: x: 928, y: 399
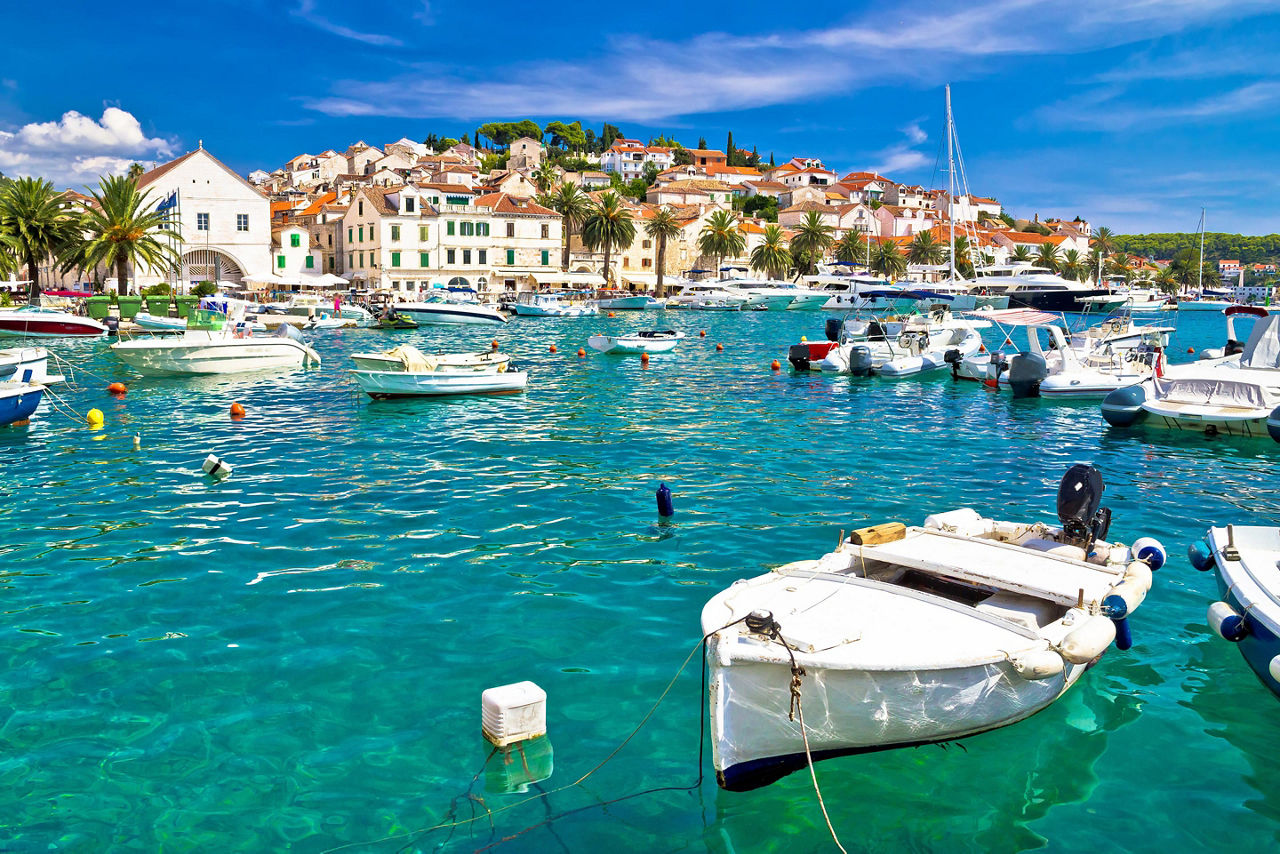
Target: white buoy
x: 512, y: 713
x: 137, y: 442
x: 215, y: 467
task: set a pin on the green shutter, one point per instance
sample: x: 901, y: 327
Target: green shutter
x: 511, y: 257
x: 395, y: 259
x: 483, y: 256
x: 422, y: 233
x: 546, y: 257
x: 449, y: 228
x: 424, y: 258
x: 311, y: 263
x: 395, y: 232
x: 362, y: 234
x: 295, y: 240
x: 361, y: 259
x: 350, y: 236
x: 280, y: 261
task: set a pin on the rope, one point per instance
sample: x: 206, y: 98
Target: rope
x: 452, y: 825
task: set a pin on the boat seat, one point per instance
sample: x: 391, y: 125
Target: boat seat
x: 1055, y: 548
x: 1025, y: 610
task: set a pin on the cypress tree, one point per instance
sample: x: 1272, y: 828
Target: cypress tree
x: 728, y: 146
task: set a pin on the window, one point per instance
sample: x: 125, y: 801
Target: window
x: 395, y: 259
x: 511, y: 229
x: 408, y: 204
x: 626, y: 262
x: 330, y: 263
x: 466, y: 257
x: 242, y: 222
x: 457, y: 200
x: 448, y: 228
x: 469, y: 229
x: 546, y: 257
x: 482, y: 257
x: 361, y: 259
x: 362, y: 234
x: 351, y: 235
x: 280, y: 261
x: 311, y: 263
x: 546, y: 231
x: 330, y: 240
x: 351, y: 260
x: 295, y: 240
x: 450, y: 257
x: 422, y: 233
x: 360, y: 208
x: 395, y: 232
x: 511, y: 257
x: 647, y: 244
x: 202, y: 222
x: 424, y: 259
x: 648, y: 262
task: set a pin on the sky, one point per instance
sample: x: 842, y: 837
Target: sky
x: 1133, y: 114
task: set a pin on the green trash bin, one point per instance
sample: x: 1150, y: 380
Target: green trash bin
x: 158, y: 306
x: 98, y: 307
x: 186, y: 305
x: 129, y: 306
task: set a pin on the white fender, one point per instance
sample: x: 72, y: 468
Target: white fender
x: 1274, y: 668
x: 1133, y: 589
x: 1038, y: 664
x: 1218, y: 612
x: 1088, y: 640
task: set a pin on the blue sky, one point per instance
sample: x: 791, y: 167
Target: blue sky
x: 1131, y: 113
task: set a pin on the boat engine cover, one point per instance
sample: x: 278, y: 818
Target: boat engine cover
x: 1026, y: 371
x: 832, y: 328
x: 1080, y: 502
x: 860, y: 360
x: 798, y: 356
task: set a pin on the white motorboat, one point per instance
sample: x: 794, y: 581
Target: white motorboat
x: 716, y: 305
x: 324, y: 321
x: 212, y: 345
x: 1087, y: 364
x: 39, y: 322
x: 608, y: 300
x: 26, y: 365
x: 847, y: 292
x: 440, y: 382
x: 894, y: 346
x: 530, y: 304
x: 443, y: 311
x: 1236, y: 395
x: 160, y: 324
x: 1036, y: 287
x: 648, y: 341
x: 1201, y: 304
x: 319, y: 305
x: 914, y: 635
x: 711, y: 291
x: 410, y: 359
x: 760, y: 293
x: 1246, y: 561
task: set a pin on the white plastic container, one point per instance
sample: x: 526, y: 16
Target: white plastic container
x: 512, y: 713
x: 215, y: 467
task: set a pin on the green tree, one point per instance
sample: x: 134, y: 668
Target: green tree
x: 1047, y: 257
x: 851, y: 248
x: 811, y: 240
x: 662, y: 226
x: 1166, y: 281
x: 772, y: 256
x: 608, y: 134
x: 730, y: 151
x: 136, y: 171
x: 121, y: 228
x: 567, y: 136
x: 650, y: 173
x: 1104, y: 240
x: 572, y: 204
x: 1075, y: 267
x: 37, y: 225
x: 764, y: 207
x: 682, y: 157
x: 964, y: 257
x: 925, y: 249
x: 544, y: 176
x: 1021, y: 254
x: 720, y: 237
x: 887, y: 260
x: 608, y: 226
x: 1119, y: 265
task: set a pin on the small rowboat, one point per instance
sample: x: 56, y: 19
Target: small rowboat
x: 649, y: 341
x: 385, y: 384
x: 410, y: 359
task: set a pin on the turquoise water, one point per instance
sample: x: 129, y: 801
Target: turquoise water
x: 292, y: 659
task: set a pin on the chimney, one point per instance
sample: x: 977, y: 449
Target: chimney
x: 1037, y: 217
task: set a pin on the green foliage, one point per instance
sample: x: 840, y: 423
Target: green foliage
x: 651, y: 171
x: 721, y: 237
x: 925, y: 249
x: 35, y: 226
x: 702, y: 142
x: 573, y: 205
x: 682, y: 157
x: 665, y: 142
x: 608, y: 134
x: 662, y: 226
x: 1035, y: 228
x: 1247, y: 248
x: 448, y: 142
x: 810, y: 242
x: 635, y: 189
x: 887, y: 260
x: 851, y: 248
x: 5, y: 299
x: 1021, y: 254
x: 505, y: 133
x: 490, y: 162
x: 1008, y: 220
x: 569, y: 136
x: 157, y: 290
x: 608, y: 226
x: 764, y: 207
x: 204, y: 289
x: 1047, y: 257
x: 772, y: 257
x: 122, y: 229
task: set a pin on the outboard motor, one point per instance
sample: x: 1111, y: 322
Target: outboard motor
x: 1233, y: 347
x: 860, y: 360
x: 112, y: 324
x: 832, y: 328
x: 1026, y: 371
x: 1123, y: 407
x: 952, y: 358
x: 798, y: 356
x: 1080, y: 509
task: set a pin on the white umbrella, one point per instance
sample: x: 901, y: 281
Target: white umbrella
x: 264, y: 279
x: 331, y: 279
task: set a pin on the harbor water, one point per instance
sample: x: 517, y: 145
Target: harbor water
x: 292, y: 658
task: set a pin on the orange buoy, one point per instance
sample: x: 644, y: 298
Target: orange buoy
x: 1008, y: 342
x: 982, y: 348
x: 494, y: 344
x: 237, y: 411
x: 990, y: 384
x: 702, y: 334
x: 1191, y: 349
x: 116, y: 388
x: 553, y: 348
x: 644, y: 358
x: 582, y: 353
x: 777, y: 366
x: 719, y: 347
x: 611, y: 314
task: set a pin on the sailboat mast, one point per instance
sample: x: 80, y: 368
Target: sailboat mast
x: 951, y: 180
x: 1200, y: 272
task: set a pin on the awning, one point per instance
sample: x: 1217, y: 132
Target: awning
x: 641, y: 278
x: 551, y: 277
x: 1017, y: 316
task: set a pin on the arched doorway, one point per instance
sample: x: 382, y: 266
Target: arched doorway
x: 210, y: 265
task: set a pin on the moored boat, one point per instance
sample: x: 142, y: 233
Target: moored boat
x: 647, y: 341
x: 442, y: 311
x: 386, y: 384
x: 913, y: 635
x: 19, y: 400
x: 406, y: 358
x: 530, y: 304
x: 37, y: 322
x: 214, y: 345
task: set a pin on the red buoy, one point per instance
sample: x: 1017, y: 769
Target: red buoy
x: 553, y: 348
x: 777, y: 366
x: 644, y: 358
x: 116, y: 388
x: 611, y: 314
x: 582, y: 353
x: 495, y: 344
x: 237, y: 411
x: 719, y: 347
x: 1191, y: 349
x: 702, y: 334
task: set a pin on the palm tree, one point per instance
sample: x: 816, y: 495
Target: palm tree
x: 121, y: 228
x: 662, y: 226
x: 544, y: 176
x: 31, y: 213
x: 772, y: 256
x: 925, y: 249
x: 721, y: 237
x: 964, y: 257
x: 1105, y: 240
x: 1167, y: 281
x: 572, y: 204
x: 1073, y: 266
x: 811, y: 240
x: 1047, y: 257
x: 608, y: 226
x: 1120, y: 265
x: 887, y: 260
x: 849, y: 248
x: 1021, y: 254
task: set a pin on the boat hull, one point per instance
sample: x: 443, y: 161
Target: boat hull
x: 636, y: 303
x: 51, y: 325
x: 1061, y: 301
x: 388, y: 384
x: 633, y: 344
x: 452, y: 314
x: 161, y: 358
x: 19, y: 401
x: 561, y: 311
x: 1251, y: 596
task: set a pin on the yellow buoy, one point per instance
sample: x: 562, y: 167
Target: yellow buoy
x: 94, y: 418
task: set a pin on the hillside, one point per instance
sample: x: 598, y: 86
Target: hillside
x: 1246, y: 248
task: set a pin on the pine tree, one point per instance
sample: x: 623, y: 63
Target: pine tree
x: 702, y: 143
x: 771, y: 158
x: 730, y: 151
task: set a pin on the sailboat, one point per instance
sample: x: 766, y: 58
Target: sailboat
x: 1203, y: 301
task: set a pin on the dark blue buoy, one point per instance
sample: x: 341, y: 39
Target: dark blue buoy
x: 1200, y: 555
x: 1123, y: 407
x: 665, y: 507
x: 1118, y: 610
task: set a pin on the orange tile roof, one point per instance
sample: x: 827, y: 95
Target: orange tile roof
x: 314, y: 207
x: 1032, y: 238
x: 505, y: 203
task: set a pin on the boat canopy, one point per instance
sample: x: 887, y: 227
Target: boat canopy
x: 907, y: 294
x: 1017, y: 316
x: 1262, y: 350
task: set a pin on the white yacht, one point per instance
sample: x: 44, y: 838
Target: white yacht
x: 776, y: 294
x: 530, y: 304
x: 1037, y: 287
x: 216, y: 345
x: 707, y: 292
x: 452, y: 310
x: 845, y: 292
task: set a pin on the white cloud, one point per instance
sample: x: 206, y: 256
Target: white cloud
x: 77, y: 149
x: 902, y: 157
x: 307, y: 11
x: 1104, y: 107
